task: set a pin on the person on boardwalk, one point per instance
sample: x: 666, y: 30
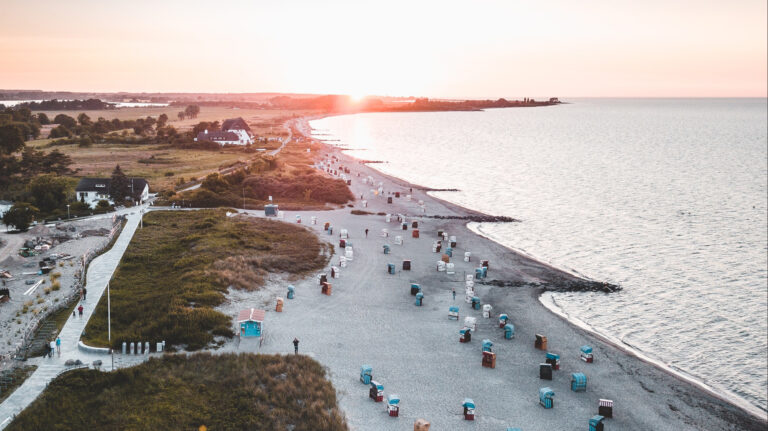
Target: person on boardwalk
x: 51, y: 348
x: 80, y: 310
x: 85, y: 291
x: 295, y: 346
x: 454, y: 294
x: 58, y: 346
x: 366, y: 232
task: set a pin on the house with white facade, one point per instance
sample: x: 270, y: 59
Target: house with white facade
x: 234, y: 131
x: 92, y: 190
x: 5, y: 206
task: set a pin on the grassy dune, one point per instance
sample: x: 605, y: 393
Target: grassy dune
x: 179, y: 266
x: 222, y: 392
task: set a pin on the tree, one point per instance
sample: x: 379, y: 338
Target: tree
x: 84, y: 119
x: 215, y: 183
x: 161, y: 120
x: 65, y: 120
x: 48, y: 192
x: 60, y: 132
x: 192, y: 111
x: 20, y: 216
x: 118, y: 186
x: 181, y: 115
x: 11, y: 138
x: 42, y: 118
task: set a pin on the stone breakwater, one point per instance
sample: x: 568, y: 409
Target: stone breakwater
x: 476, y: 218
x: 559, y: 286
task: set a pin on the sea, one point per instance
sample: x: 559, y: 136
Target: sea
x: 665, y: 197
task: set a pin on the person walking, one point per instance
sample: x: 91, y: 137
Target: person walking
x: 51, y: 348
x: 85, y: 291
x: 58, y: 346
x: 454, y: 294
x: 366, y: 232
x: 80, y: 310
x: 295, y: 346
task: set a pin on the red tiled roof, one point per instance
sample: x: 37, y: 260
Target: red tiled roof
x: 251, y: 314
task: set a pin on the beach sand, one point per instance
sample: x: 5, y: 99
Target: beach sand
x: 415, y: 352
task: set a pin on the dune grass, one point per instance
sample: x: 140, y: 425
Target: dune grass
x: 178, y: 268
x: 222, y: 392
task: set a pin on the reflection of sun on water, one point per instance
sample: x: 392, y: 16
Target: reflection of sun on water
x: 356, y: 97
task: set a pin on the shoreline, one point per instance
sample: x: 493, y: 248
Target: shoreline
x: 302, y: 126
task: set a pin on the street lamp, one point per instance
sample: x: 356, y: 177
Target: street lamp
x: 68, y: 211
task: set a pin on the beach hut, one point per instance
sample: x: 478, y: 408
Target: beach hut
x: 421, y: 425
x: 343, y: 243
x: 541, y: 342
x: 326, y: 226
x: 376, y: 392
x: 489, y: 360
x: 251, y: 322
x: 439, y: 233
x: 605, y: 408
x: 546, y: 398
x: 313, y: 220
x: 349, y: 253
x: 393, y: 405
x: 586, y: 354
x: 554, y: 360
x: 365, y: 203
x: 478, y: 273
x: 404, y: 225
x: 419, y: 299
x: 330, y: 230
x: 545, y: 371
x: 470, y: 322
x: 503, y: 319
x: 578, y: 382
x: 270, y: 210
x: 335, y: 272
x: 415, y: 233
x: 388, y: 218
x: 596, y: 423
x: 440, y: 266
x: 452, y: 240
x: 344, y: 233
x: 279, y: 305
x: 450, y: 268
x: 484, y: 264
x: 467, y: 256
x: 386, y: 248
x: 398, y: 240
x: 487, y: 345
x: 391, y: 268
x: 465, y: 335
x: 509, y: 331
x: 343, y: 261
x: 453, y: 312
x: 445, y: 258
x: 389, y: 199
x: 366, y: 374
x: 469, y: 409
x: 298, y: 219
x: 291, y: 292
x: 487, y: 311
x: 415, y: 288
x: 449, y: 251
x: 323, y: 277
x: 385, y: 233
x: 406, y: 265
x: 327, y: 289
x: 414, y: 224
x: 475, y: 302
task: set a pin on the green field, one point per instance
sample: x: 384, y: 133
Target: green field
x: 183, y: 392
x: 178, y: 268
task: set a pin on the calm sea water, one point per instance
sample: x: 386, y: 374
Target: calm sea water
x: 666, y: 197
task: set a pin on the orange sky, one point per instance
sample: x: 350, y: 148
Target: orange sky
x: 478, y: 48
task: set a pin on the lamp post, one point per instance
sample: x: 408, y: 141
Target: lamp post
x: 68, y: 211
x: 243, y: 197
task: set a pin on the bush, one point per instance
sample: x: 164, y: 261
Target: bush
x: 222, y: 392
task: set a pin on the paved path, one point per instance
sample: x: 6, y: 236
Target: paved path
x: 99, y: 273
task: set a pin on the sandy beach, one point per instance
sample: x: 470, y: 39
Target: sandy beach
x: 415, y: 352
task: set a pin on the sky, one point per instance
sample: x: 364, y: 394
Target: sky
x: 463, y: 49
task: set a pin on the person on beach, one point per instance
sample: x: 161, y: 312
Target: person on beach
x: 366, y: 233
x: 80, y: 310
x: 454, y: 294
x: 295, y: 346
x: 58, y: 346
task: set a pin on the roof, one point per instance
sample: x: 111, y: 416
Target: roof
x: 102, y: 185
x: 250, y: 314
x: 217, y: 136
x: 235, y: 123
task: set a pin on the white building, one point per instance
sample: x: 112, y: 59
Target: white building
x: 92, y: 190
x: 5, y: 206
x: 234, y: 131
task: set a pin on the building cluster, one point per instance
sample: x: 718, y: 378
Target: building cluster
x: 234, y: 131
